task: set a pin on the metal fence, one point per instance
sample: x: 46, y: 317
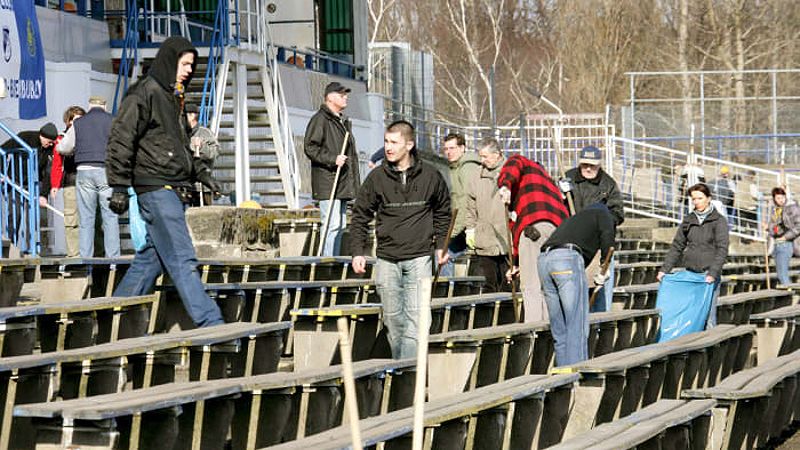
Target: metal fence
x: 19, y: 195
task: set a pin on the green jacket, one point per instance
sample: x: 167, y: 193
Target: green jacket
x: 463, y: 174
x: 486, y: 214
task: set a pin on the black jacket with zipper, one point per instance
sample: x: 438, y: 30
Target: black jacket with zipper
x: 148, y: 145
x: 601, y: 189
x: 704, y: 247
x: 322, y: 144
x: 412, y: 210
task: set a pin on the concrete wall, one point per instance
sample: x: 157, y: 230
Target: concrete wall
x: 71, y: 38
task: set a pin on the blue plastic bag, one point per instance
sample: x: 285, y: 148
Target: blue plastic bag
x: 135, y: 222
x: 684, y: 299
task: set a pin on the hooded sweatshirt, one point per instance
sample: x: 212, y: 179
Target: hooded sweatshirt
x: 148, y: 146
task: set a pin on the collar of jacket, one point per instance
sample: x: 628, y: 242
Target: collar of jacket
x: 693, y: 220
x: 596, y: 180
x: 332, y: 115
x: 413, y: 169
x: 492, y: 173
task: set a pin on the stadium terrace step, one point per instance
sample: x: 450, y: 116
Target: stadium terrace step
x: 736, y: 309
x: 635, y: 256
x: 316, y: 335
x: 473, y: 311
x: 778, y: 332
x: 236, y: 349
x: 60, y: 326
x: 617, y: 384
x: 734, y: 284
x: 756, y: 405
x: 664, y: 424
x: 645, y: 272
x: 467, y: 359
x: 259, y: 410
x: 525, y: 412
x: 12, y: 277
x: 97, y: 277
x: 636, y: 296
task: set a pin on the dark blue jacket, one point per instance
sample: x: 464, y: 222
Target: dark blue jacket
x: 91, y: 137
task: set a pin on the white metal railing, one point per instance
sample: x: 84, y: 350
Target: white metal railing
x: 282, y: 134
x: 653, y: 180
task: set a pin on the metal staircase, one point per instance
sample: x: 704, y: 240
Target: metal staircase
x: 241, y: 100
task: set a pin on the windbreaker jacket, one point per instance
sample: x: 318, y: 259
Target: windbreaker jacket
x: 148, y: 144
x: 601, y: 189
x: 485, y: 213
x: 704, y: 247
x: 412, y: 211
x: 322, y: 144
x: 463, y: 174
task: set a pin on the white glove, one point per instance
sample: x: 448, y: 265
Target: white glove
x: 600, y: 279
x: 565, y: 184
x: 505, y: 195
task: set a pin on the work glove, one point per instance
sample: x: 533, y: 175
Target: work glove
x: 119, y: 201
x: 565, y: 184
x: 600, y: 279
x: 209, y: 182
x: 505, y: 195
x: 470, y: 237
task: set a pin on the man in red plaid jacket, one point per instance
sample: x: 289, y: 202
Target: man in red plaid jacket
x: 537, y: 208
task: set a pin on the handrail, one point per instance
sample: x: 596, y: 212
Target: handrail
x: 14, y: 192
x: 216, y: 55
x: 279, y: 118
x: 128, y: 63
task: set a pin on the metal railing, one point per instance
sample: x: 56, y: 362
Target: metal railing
x: 280, y: 124
x: 129, y: 62
x: 216, y: 58
x: 19, y: 195
x: 654, y: 179
x: 318, y: 62
x: 753, y: 148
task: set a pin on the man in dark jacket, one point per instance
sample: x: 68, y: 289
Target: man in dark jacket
x: 323, y: 144
x: 42, y: 143
x: 87, y: 139
x: 590, y: 184
x: 148, y: 149
x: 410, y: 202
x: 561, y: 268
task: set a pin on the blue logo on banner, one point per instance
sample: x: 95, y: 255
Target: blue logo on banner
x: 30, y: 87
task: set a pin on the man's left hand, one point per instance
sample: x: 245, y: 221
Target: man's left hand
x: 43, y: 202
x: 512, y: 273
x: 442, y: 257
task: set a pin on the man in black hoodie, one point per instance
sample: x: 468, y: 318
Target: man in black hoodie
x: 410, y: 202
x: 148, y: 149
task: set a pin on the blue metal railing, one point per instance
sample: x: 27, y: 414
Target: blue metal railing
x: 216, y: 56
x: 319, y: 62
x: 130, y: 52
x: 19, y: 195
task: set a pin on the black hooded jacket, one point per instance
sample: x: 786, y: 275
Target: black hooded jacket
x: 412, y: 211
x: 148, y: 145
x: 323, y: 142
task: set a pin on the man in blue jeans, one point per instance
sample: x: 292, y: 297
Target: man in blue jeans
x: 562, y: 264
x: 410, y: 202
x: 148, y: 149
x: 86, y: 139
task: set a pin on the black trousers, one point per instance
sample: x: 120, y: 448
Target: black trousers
x: 493, y: 268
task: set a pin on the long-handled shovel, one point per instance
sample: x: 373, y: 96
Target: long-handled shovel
x: 333, y: 194
x: 351, y: 403
x: 517, y: 308
x: 446, y: 243
x: 424, y: 290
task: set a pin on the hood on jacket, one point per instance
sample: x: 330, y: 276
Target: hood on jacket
x: 466, y: 158
x: 165, y: 65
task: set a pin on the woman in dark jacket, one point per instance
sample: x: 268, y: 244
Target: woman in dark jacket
x: 702, y: 241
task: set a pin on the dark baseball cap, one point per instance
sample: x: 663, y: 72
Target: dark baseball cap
x: 590, y: 155
x: 335, y: 86
x: 49, y: 131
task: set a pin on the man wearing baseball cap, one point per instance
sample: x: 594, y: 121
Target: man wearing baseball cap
x: 324, y: 139
x: 590, y: 184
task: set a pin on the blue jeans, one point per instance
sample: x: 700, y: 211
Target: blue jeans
x: 457, y: 248
x: 566, y: 294
x: 396, y: 283
x: 605, y: 297
x: 333, y: 239
x: 169, y: 246
x: 92, y: 190
x: 782, y: 254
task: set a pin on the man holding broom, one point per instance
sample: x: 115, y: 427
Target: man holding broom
x: 330, y: 146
